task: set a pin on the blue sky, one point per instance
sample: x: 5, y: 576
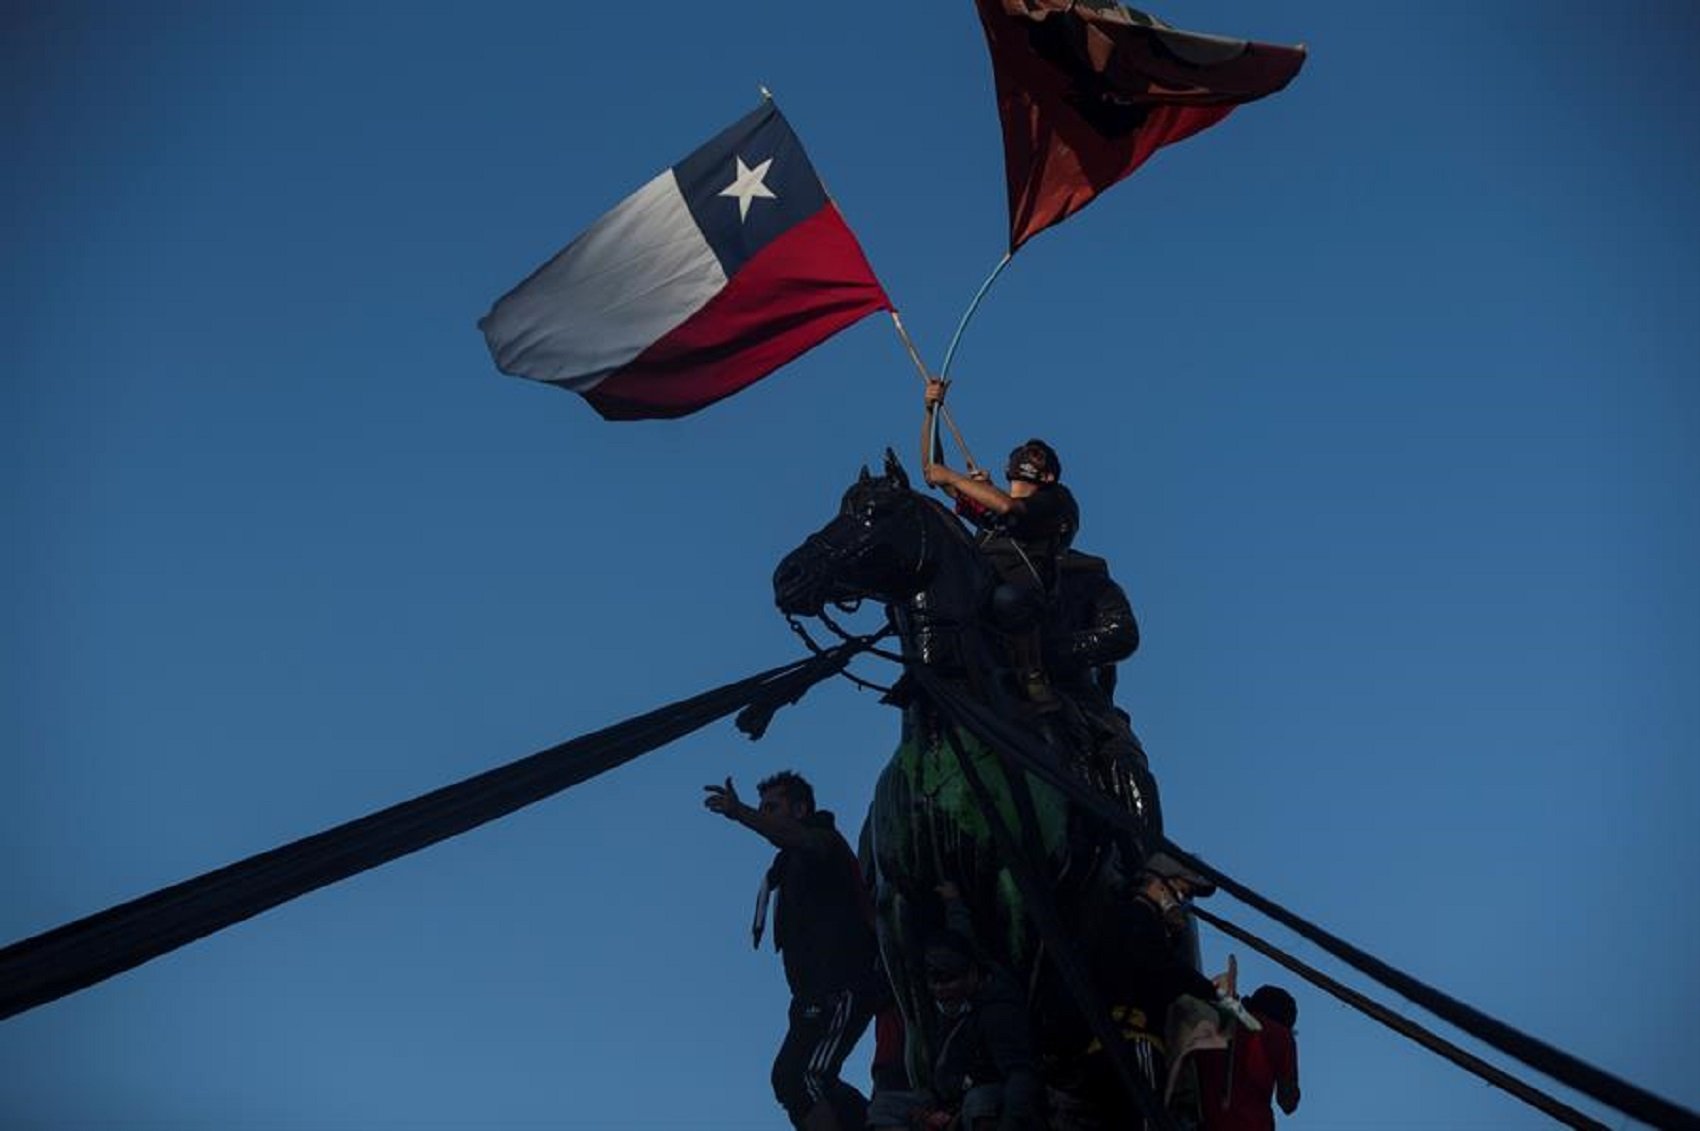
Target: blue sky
x: 1381, y: 398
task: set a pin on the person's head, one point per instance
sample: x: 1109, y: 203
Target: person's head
x: 786, y: 794
x: 1274, y: 1003
x: 1167, y: 883
x: 953, y: 972
x: 1031, y: 466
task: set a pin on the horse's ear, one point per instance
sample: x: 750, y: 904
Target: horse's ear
x: 864, y: 477
x: 894, y: 469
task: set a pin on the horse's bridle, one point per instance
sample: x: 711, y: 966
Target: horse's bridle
x: 834, y: 555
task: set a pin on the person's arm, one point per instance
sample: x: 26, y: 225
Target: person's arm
x: 1284, y: 1051
x: 1146, y: 948
x: 957, y: 917
x: 779, y: 830
x: 978, y: 491
x: 1004, y: 1028
x: 933, y: 397
x: 1110, y: 634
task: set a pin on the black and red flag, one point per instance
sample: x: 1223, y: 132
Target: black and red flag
x: 1088, y: 89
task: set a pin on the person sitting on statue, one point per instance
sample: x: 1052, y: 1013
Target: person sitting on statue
x: 1236, y: 1084
x: 984, y: 1073
x: 823, y: 929
x: 1025, y: 529
x: 1028, y: 525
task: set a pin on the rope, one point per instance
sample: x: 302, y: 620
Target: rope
x: 1542, y: 1057
x: 77, y: 955
x: 1427, y: 1038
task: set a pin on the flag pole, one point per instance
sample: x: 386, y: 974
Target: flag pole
x: 973, y: 305
x: 921, y: 368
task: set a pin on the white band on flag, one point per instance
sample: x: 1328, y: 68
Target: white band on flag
x: 630, y: 279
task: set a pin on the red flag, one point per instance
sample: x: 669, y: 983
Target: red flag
x: 1088, y: 89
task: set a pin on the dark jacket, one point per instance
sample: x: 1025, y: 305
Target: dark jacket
x: 1024, y: 545
x: 1139, y: 964
x: 990, y: 1043
x: 823, y: 923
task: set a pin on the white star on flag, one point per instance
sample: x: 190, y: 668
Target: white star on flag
x: 747, y: 185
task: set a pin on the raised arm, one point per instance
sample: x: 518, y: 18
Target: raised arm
x: 778, y: 829
x: 1286, y: 1064
x: 980, y: 491
x: 933, y: 397
x: 1109, y: 633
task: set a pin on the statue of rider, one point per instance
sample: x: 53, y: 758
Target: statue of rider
x: 1067, y: 621
x: 1093, y: 628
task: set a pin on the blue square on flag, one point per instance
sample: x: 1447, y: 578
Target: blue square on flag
x: 708, y: 278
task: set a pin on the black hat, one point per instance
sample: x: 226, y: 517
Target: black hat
x: 1275, y: 1003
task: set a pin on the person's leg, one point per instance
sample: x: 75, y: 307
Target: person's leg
x: 982, y: 1107
x: 894, y: 1108
x: 805, y: 1073
x: 792, y: 1061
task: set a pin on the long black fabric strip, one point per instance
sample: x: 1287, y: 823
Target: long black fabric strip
x: 1429, y: 1039
x: 1029, y: 750
x: 50, y: 965
x: 1062, y: 949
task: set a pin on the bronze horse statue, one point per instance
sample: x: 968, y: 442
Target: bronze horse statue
x: 926, y: 825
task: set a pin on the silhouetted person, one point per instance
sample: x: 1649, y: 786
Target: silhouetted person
x: 1236, y: 1084
x: 984, y: 1073
x: 823, y: 929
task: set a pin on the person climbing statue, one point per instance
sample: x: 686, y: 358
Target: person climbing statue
x: 1236, y: 1084
x: 823, y: 930
x: 1025, y: 531
x: 984, y: 1073
x: 1134, y: 951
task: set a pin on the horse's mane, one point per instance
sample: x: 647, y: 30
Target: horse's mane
x: 947, y: 517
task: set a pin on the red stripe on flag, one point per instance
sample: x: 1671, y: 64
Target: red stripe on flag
x: 802, y: 288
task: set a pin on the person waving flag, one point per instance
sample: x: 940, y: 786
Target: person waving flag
x: 721, y: 269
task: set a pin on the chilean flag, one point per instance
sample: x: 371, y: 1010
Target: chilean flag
x: 706, y: 279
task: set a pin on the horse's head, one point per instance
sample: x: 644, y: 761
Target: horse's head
x: 876, y: 547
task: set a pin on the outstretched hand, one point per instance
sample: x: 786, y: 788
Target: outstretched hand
x: 1228, y: 981
x: 936, y: 389
x: 723, y: 799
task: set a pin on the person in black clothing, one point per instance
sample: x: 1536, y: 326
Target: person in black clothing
x: 1027, y: 526
x: 1025, y: 531
x: 1136, y: 957
x: 984, y: 1073
x: 823, y: 930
